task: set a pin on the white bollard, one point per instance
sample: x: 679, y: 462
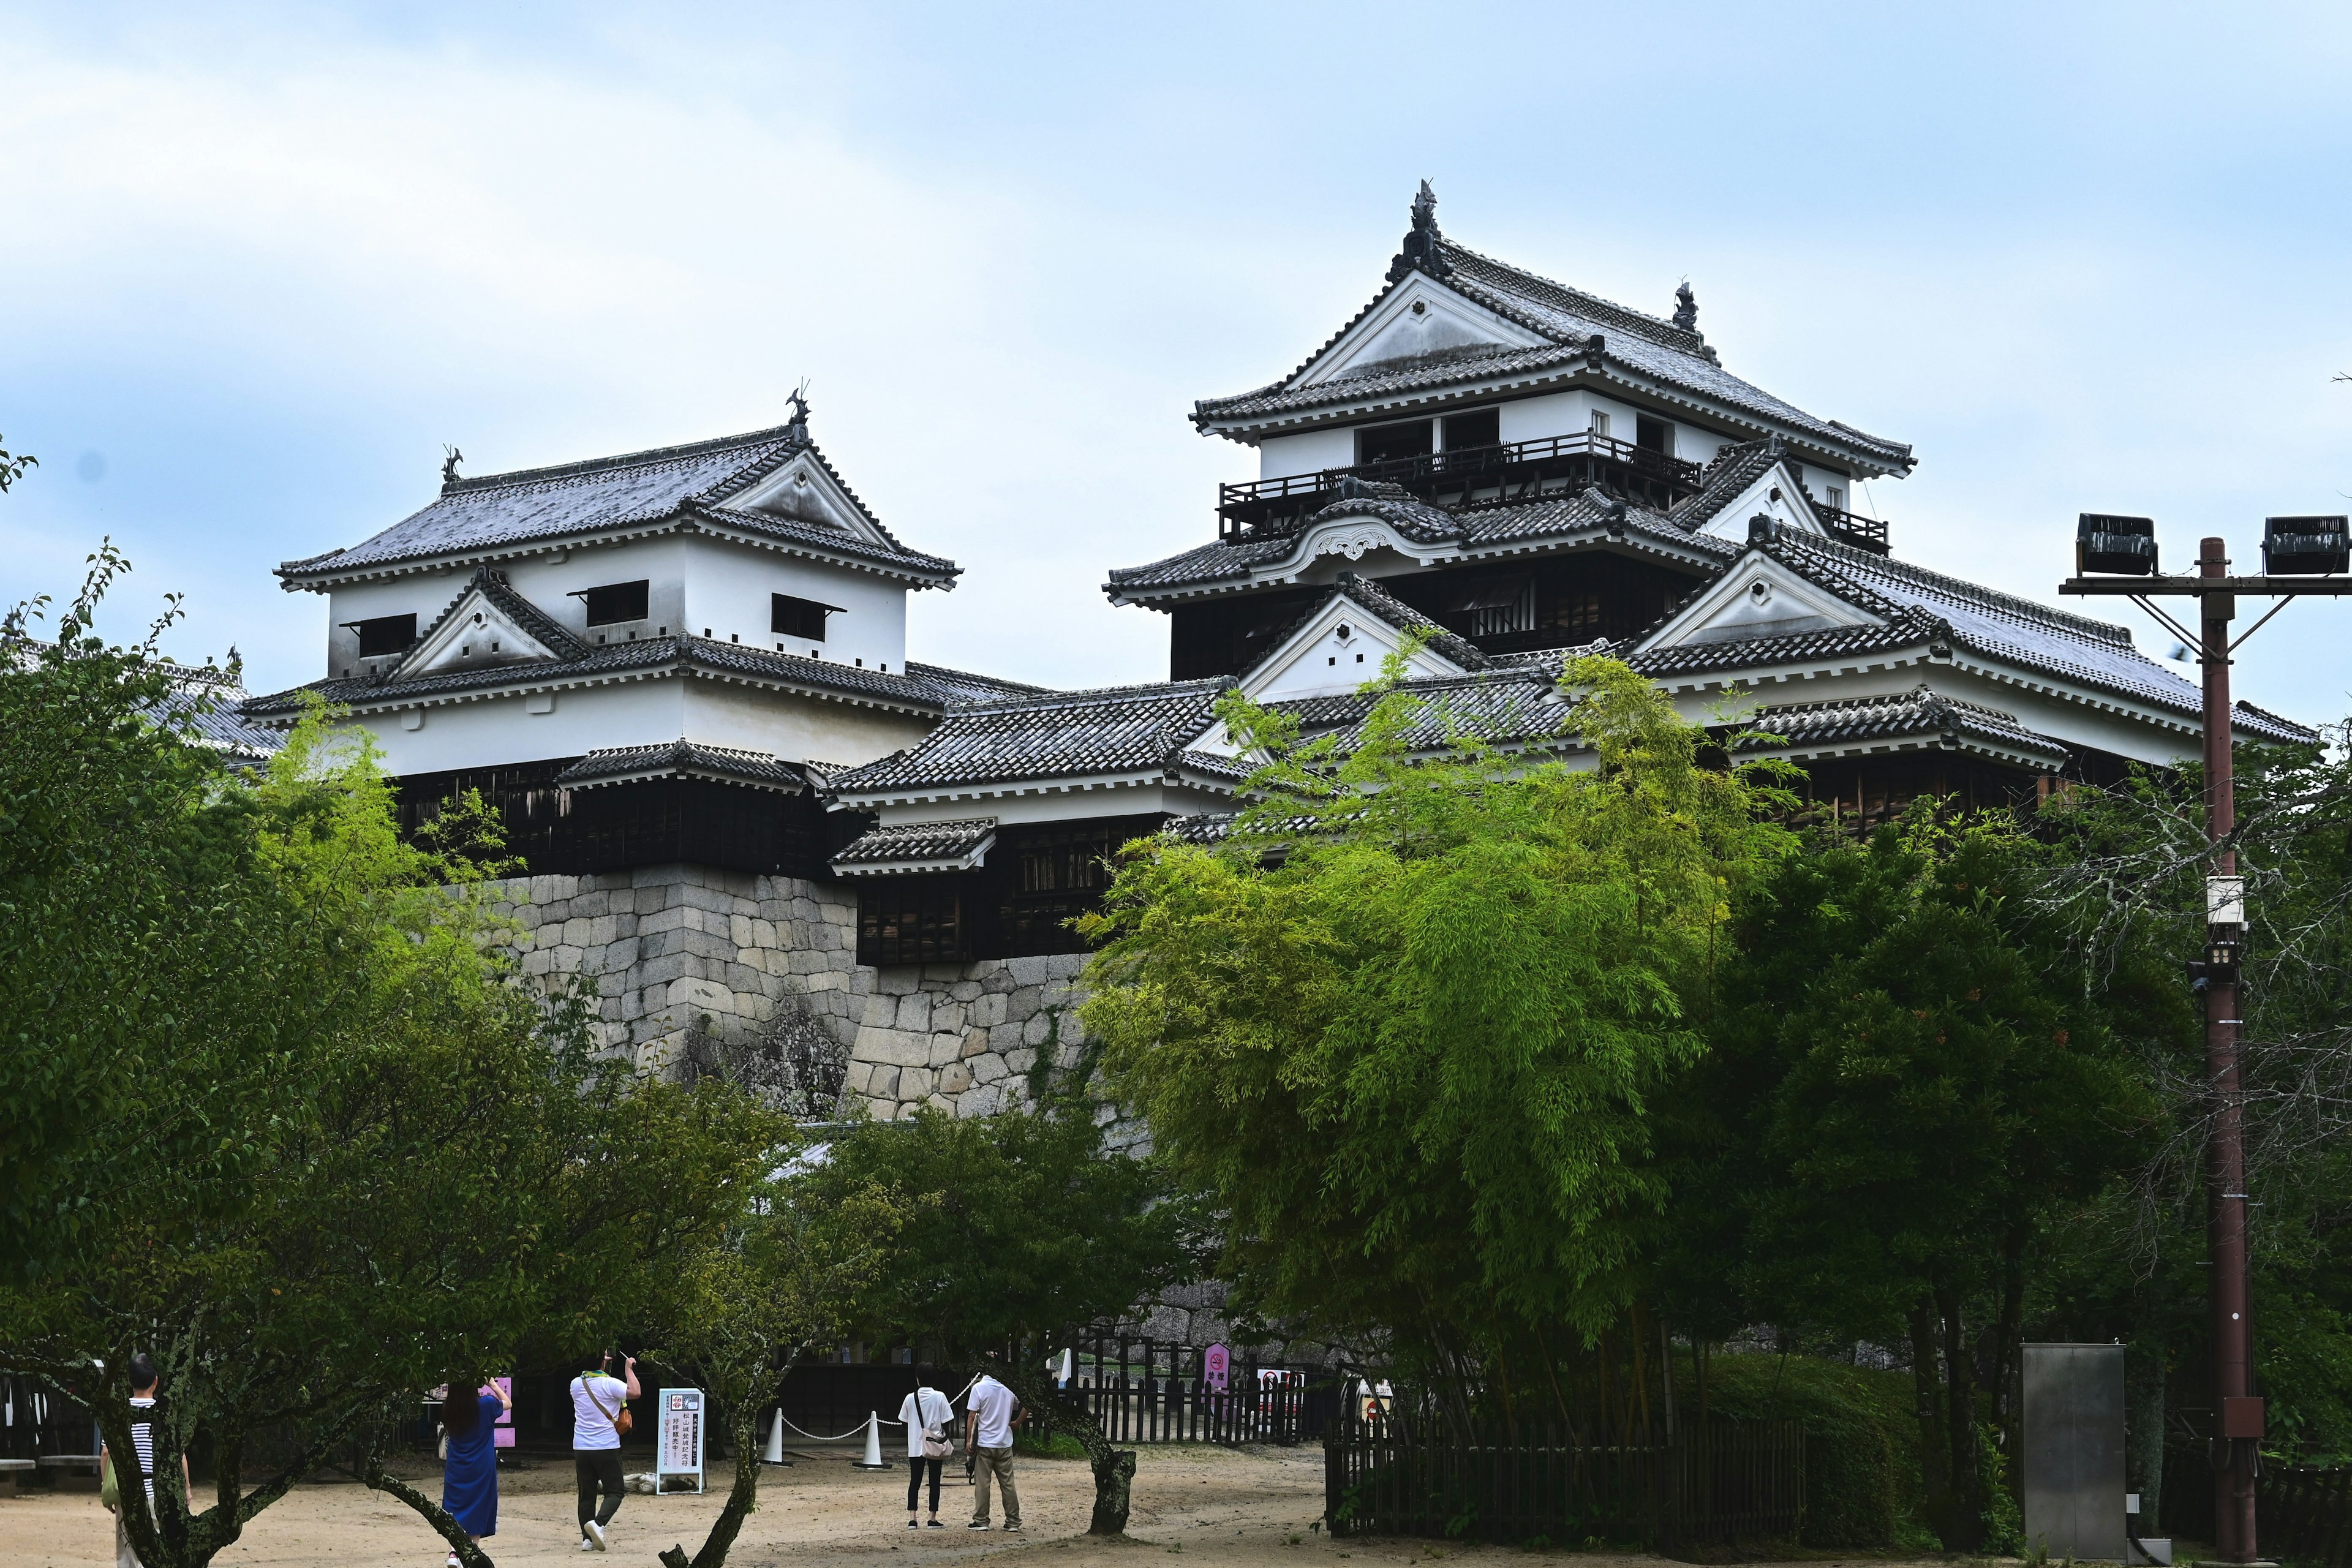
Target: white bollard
x: 873, y: 1460
x: 775, y: 1454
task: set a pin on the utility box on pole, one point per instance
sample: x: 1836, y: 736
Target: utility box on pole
x: 2073, y: 1459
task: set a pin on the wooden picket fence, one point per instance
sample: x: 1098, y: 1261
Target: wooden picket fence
x: 1156, y: 1391
x: 2304, y: 1516
x: 1523, y: 1482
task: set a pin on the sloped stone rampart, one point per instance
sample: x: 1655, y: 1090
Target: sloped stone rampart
x: 674, y: 947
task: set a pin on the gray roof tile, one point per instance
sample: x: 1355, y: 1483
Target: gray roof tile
x: 684, y: 654
x: 1065, y: 734
x: 1923, y: 711
x: 1555, y: 520
x: 914, y: 845
x: 1568, y: 317
x: 637, y: 488
x: 683, y: 758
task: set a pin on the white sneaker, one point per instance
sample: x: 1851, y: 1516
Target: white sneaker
x: 586, y: 1545
x: 596, y: 1533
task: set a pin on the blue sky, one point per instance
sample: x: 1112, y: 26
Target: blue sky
x: 258, y: 264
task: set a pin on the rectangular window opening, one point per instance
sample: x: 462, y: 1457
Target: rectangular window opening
x: 1388, y: 443
x: 1483, y: 427
x: 1837, y: 499
x: 801, y: 619
x: 614, y: 603
x: 1600, y: 423
x: 1654, y: 435
x: 383, y: 635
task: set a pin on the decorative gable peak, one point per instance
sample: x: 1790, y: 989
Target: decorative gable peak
x: 1423, y: 249
x: 1343, y: 641
x: 488, y: 625
x: 804, y: 489
x: 1758, y: 598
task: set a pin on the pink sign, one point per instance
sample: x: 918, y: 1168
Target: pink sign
x: 1216, y: 1366
x: 504, y: 1436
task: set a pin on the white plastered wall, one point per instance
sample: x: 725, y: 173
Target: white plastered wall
x: 795, y: 728
x: 1310, y: 451
x: 729, y: 587
x: 495, y: 730
x: 1050, y: 804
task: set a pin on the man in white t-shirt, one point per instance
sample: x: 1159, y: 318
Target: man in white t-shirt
x: 989, y: 1440
x: 597, y: 1398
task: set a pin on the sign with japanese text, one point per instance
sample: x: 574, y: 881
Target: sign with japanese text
x: 1216, y: 1366
x: 678, y: 1441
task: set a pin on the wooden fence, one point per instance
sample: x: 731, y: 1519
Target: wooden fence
x: 1156, y: 1391
x: 2302, y: 1515
x: 1734, y: 1480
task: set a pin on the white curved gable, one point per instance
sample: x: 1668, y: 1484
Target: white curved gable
x: 1420, y: 317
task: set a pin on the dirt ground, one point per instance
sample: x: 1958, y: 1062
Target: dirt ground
x: 1250, y: 1509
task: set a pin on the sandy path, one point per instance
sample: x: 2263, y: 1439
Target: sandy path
x: 1240, y: 1508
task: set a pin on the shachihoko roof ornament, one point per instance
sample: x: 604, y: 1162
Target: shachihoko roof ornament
x: 1422, y: 251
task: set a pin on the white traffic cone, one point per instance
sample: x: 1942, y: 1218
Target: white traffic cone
x: 873, y: 1460
x: 775, y: 1454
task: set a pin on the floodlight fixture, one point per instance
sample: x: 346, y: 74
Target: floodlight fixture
x: 2123, y: 546
x: 2306, y: 546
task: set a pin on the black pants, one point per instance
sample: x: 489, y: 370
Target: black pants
x: 598, y: 1467
x: 915, y: 1468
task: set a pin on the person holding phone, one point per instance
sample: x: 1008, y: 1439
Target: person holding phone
x: 600, y: 1413
x: 469, y: 1476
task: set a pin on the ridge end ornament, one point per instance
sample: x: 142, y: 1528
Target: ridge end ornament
x: 1423, y: 247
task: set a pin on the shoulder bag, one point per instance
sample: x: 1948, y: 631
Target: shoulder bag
x: 935, y: 1443
x: 621, y: 1423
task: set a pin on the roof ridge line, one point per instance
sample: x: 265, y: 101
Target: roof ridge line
x: 1659, y: 330
x: 2111, y: 632
x: 518, y: 477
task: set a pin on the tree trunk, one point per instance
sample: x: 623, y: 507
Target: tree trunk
x: 434, y: 1514
x: 739, y: 1497
x: 1927, y: 1394
x: 2006, y: 1359
x: 1960, y: 1424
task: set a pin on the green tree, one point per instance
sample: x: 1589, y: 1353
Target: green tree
x: 1022, y: 1230
x: 1405, y: 1024
x: 278, y: 1109
x: 1927, y: 1083
x: 785, y: 1277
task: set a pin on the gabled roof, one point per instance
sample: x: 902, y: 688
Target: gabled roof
x: 1062, y: 736
x: 1574, y: 517
x: 1917, y: 607
x: 1391, y: 611
x: 1569, y: 320
x: 960, y: 686
x: 1512, y: 707
x: 683, y: 758
x: 495, y: 514
x: 487, y: 587
x: 1808, y: 729
x: 647, y: 656
x: 209, y: 703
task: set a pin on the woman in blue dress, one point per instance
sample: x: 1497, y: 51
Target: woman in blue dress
x: 469, y: 1479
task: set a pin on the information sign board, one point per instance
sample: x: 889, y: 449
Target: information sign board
x: 678, y: 1444
x: 504, y: 1436
x: 1216, y: 1366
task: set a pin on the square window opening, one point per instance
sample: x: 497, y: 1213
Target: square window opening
x: 1654, y: 435
x: 613, y: 603
x: 1481, y: 427
x: 1389, y: 443
x: 801, y: 619
x: 384, y: 635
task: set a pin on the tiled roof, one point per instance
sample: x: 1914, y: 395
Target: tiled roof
x: 672, y: 654
x: 557, y: 639
x: 1384, y: 606
x: 1922, y: 608
x: 1556, y: 519
x: 682, y: 759
x: 210, y: 703
x: 957, y: 687
x: 637, y: 488
x: 1063, y: 735
x: 1733, y: 470
x: 917, y: 846
x: 1923, y: 711
x: 1568, y: 318
x: 1503, y: 708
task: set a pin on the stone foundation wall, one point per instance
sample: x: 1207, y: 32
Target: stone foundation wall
x: 675, y: 948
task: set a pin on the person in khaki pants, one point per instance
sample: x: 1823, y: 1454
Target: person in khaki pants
x: 989, y: 1440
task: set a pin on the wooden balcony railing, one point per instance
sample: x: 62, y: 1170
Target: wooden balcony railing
x: 1475, y: 475
x: 1853, y: 528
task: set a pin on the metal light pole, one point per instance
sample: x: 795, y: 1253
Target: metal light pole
x: 2303, y: 555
